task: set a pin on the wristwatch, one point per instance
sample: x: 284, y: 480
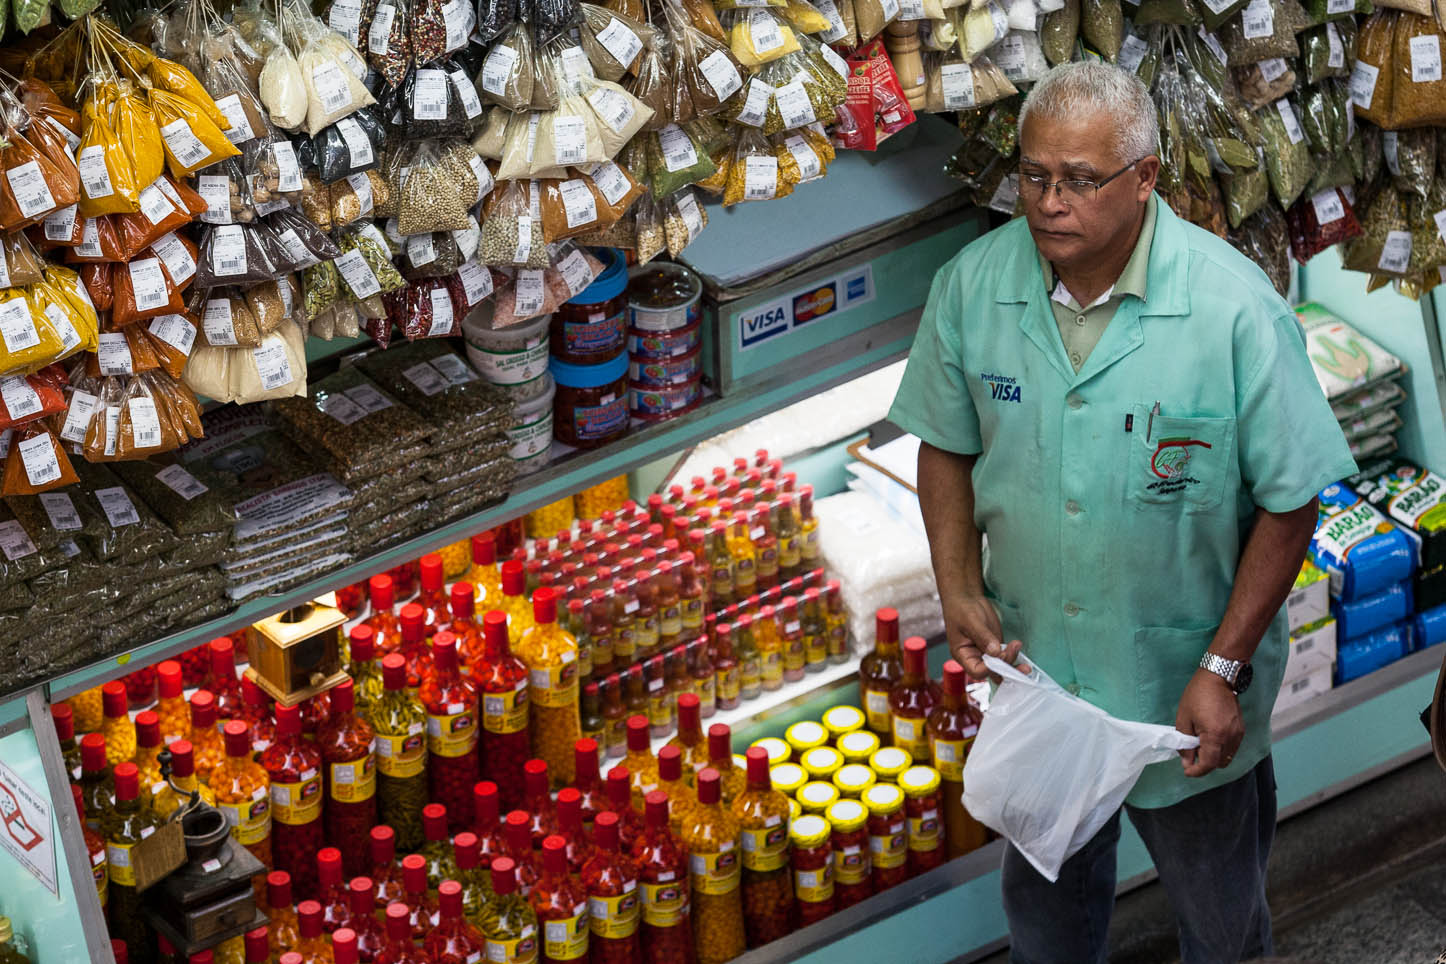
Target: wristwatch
x: 1233, y: 671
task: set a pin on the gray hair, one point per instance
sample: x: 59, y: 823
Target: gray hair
x: 1086, y: 86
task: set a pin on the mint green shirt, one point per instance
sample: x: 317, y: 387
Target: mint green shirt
x: 1113, y: 538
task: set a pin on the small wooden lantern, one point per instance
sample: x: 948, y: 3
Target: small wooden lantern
x: 296, y: 654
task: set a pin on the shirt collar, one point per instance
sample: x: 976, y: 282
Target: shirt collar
x: 1132, y: 280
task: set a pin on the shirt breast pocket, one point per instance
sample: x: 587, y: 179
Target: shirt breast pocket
x: 1177, y: 461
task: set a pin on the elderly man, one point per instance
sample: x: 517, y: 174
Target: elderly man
x: 1123, y: 403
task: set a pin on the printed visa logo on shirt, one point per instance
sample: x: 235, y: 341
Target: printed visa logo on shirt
x: 1002, y: 388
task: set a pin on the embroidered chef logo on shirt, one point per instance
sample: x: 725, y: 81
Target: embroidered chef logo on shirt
x: 1002, y: 388
x: 1171, y: 461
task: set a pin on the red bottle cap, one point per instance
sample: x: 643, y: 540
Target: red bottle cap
x: 449, y: 899
x: 183, y: 758
x: 710, y: 789
x: 383, y: 845
x: 464, y: 599
x: 394, y: 671
x: 343, y: 946
x: 516, y: 831
x: 513, y: 580
x: 258, y: 944
x: 203, y: 710
x: 955, y: 679
x: 168, y: 676
x: 544, y: 605
x: 554, y: 855
x: 278, y: 889
x: 670, y: 763
x: 328, y: 867
x: 64, y: 719
x: 75, y: 798
x: 202, y: 957
x: 343, y: 697
x: 886, y: 625
x: 382, y: 592
x: 237, y: 737
x: 468, y: 850
x: 584, y: 758
x: 363, y: 643
x: 414, y: 623
x: 399, y: 923
x: 915, y: 648
x: 619, y: 787
x: 484, y: 805
x: 113, y: 699
x: 569, y: 810
x: 308, y: 916
x: 434, y: 821
x: 431, y: 572
x: 656, y: 810
x: 758, y: 774
x: 689, y: 720
x: 494, y: 628
x: 638, y: 731
x: 148, y: 729
x: 359, y: 896
x: 535, y: 777
x: 605, y: 831
x: 127, y: 781
x: 414, y: 874
x: 118, y: 948
x: 288, y: 721
x: 484, y: 549
x: 504, y: 876
x: 444, y: 651
x: 720, y: 742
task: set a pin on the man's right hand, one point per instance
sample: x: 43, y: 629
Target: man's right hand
x: 972, y: 624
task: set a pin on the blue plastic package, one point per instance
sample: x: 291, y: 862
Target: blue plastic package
x: 1370, y: 652
x: 1430, y: 628
x: 1361, y: 550
x: 1370, y: 613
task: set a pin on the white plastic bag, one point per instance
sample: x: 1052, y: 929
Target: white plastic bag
x: 1048, y: 769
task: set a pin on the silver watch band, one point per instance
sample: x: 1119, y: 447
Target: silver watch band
x: 1226, y: 669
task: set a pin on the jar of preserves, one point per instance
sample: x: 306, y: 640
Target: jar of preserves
x: 400, y: 723
x: 116, y: 726
x: 128, y: 823
x: 911, y: 699
x: 821, y: 762
x: 788, y: 778
x: 663, y: 870
x: 841, y: 720
x: 350, y: 775
x: 890, y: 761
x: 853, y: 779
x: 560, y: 904
x: 551, y: 658
x: 804, y: 736
x: 451, y: 704
x: 812, y: 869
x: 922, y: 808
x: 509, y: 924
x: 953, y: 725
x: 293, y: 766
x: 592, y: 327
x: 767, y: 886
x: 590, y: 407
x: 888, y: 835
x: 171, y: 705
x: 512, y: 358
x: 243, y: 793
x: 502, y: 686
x: 879, y: 671
x: 611, y: 881
x: 852, y: 866
x: 663, y: 297
x: 454, y: 940
x: 858, y: 746
x: 816, y: 796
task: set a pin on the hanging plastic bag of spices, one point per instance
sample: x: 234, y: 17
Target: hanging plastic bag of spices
x: 520, y: 148
x: 424, y: 309
x: 276, y: 368
x: 28, y: 339
x: 431, y: 197
x: 274, y: 172
x: 548, y: 17
x: 365, y: 263
x: 506, y: 75
x: 432, y: 106
x: 350, y: 146
x: 983, y: 27
x: 653, y: 86
x: 614, y: 43
x: 1320, y: 221
x: 1058, y: 32
x: 172, y: 77
x: 107, y: 177
x: 76, y: 321
x: 102, y: 435
x: 1419, y: 87
x: 351, y: 19
x: 434, y: 255
x: 675, y: 160
x: 620, y: 115
x: 36, y: 462
x: 26, y: 398
x: 1102, y: 24
x: 283, y: 89
x: 172, y: 337
x: 683, y: 221
x: 192, y: 141
x: 569, y: 208
x: 616, y: 189
x: 511, y: 230
x: 1386, y: 244
x: 758, y: 172
x: 143, y: 289
x: 708, y: 70
x: 135, y: 126
x: 961, y: 86
x: 494, y: 17
x: 145, y: 427
x: 355, y: 196
x: 33, y: 185
x: 756, y: 36
x: 568, y: 136
x: 1287, y: 156
x: 1428, y: 249
x: 305, y: 244
x: 232, y: 254
x: 332, y: 90
x: 1245, y: 192
x: 388, y: 43
x: 1264, y: 29
x: 97, y: 278
x: 124, y: 352
x: 19, y: 263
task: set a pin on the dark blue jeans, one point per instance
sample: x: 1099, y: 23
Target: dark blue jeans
x: 1211, y: 852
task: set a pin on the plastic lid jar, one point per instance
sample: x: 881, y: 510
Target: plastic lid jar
x: 591, y: 328
x: 858, y: 746
x: 922, y: 807
x: 888, y: 835
x: 852, y: 863
x: 889, y: 762
x: 821, y: 762
x: 817, y: 796
x: 778, y: 751
x: 663, y: 297
x: 812, y: 868
x: 530, y: 433
x: 853, y: 779
x: 515, y: 358
x: 787, y: 778
x: 839, y: 720
x: 804, y: 736
x: 591, y: 405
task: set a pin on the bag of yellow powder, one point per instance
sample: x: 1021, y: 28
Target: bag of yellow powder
x: 172, y: 77
x: 136, y: 129
x: 804, y: 17
x: 28, y: 337
x: 107, y: 177
x: 757, y: 36
x: 760, y: 172
x: 192, y: 141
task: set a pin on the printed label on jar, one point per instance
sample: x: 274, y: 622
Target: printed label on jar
x: 851, y: 865
x: 452, y: 734
x: 523, y: 950
x: 505, y: 712
x: 566, y: 939
x: 615, y: 917
x: 532, y: 438
x: 765, y: 848
x: 876, y: 709
x: 691, y: 611
x: 727, y: 684
x: 718, y: 873
x: 889, y: 850
x: 354, y: 782
x: 554, y: 686
x: 250, y: 820
x: 770, y: 666
x: 402, y: 754
x: 297, y: 803
x: 595, y: 422
x: 909, y: 733
x: 100, y: 870
x: 925, y: 831
x: 594, y: 337
x: 118, y: 863
x: 949, y: 757
x: 510, y: 367
x: 814, y: 886
x: 665, y: 905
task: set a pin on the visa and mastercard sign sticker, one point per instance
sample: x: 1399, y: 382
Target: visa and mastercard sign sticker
x: 774, y: 318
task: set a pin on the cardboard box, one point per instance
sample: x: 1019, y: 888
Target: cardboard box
x: 1302, y: 689
x: 1311, y: 648
x: 1309, y: 599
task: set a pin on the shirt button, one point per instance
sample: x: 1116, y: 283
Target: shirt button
x: 1072, y: 689
x: 1075, y: 401
x: 1070, y: 609
x: 1072, y: 507
x: 1074, y: 357
x: 1079, y: 320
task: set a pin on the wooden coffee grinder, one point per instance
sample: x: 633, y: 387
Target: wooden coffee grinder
x: 296, y: 654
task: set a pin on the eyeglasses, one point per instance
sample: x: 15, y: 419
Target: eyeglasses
x: 1033, y: 187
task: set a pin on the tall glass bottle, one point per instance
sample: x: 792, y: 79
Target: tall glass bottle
x: 647, y: 623
x: 400, y: 723
x: 414, y: 647
x: 573, y: 621
x: 815, y: 632
x: 124, y: 826
x: 689, y: 738
x: 725, y: 669
x: 952, y: 727
x: 611, y: 881
x: 642, y: 767
x: 587, y: 780
x: 750, y: 661
x: 790, y: 548
x: 243, y: 793
x: 514, y: 599
x: 283, y: 930
x: 745, y: 557
x: 148, y: 749
x: 454, y: 940
x: 293, y: 765
x: 837, y: 621
x: 711, y: 833
x: 502, y: 686
x: 692, y: 594
x: 598, y: 614
x: 97, y: 785
x: 464, y: 625
x: 473, y: 877
x: 551, y: 658
x: 509, y: 923
x: 385, y: 873
x: 762, y: 814
x: 722, y: 590
x: 400, y: 948
x: 116, y: 726
x: 668, y: 600
x: 627, y: 644
x: 423, y: 912
x: 770, y: 648
x: 183, y: 778
x: 331, y: 892
x: 590, y: 718
x: 382, y: 619
x: 488, y: 828
x: 911, y: 699
x: 257, y: 945
x: 350, y: 774
x: 95, y: 848
x: 569, y: 828
x: 451, y: 703
x: 620, y: 802
x: 720, y: 758
x: 365, y: 672
x: 64, y: 719
x: 560, y: 904
x: 663, y: 876
x: 704, y: 683
x: 537, y: 801
x: 660, y: 707
x: 879, y: 671
x: 790, y: 630
x: 517, y: 844
x: 436, y: 847
x: 206, y: 738
x: 257, y: 712
x: 635, y: 695
x: 222, y: 681
x: 765, y: 547
x: 433, y: 596
x: 484, y: 574
x: 807, y: 529
x: 362, y: 919
x: 171, y: 706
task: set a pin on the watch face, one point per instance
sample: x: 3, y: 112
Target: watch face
x: 1243, y: 678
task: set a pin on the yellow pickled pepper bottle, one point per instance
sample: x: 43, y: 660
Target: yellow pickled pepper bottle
x: 770, y: 649
x: 745, y: 560
x: 171, y: 707
x: 785, y: 523
x: 484, y: 574
x: 808, y: 549
x: 183, y: 778
x: 88, y: 710
x: 720, y: 567
x: 116, y: 727
x: 711, y: 833
x: 514, y: 599
x: 551, y: 658
x: 148, y: 751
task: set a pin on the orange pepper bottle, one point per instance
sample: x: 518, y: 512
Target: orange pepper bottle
x: 148, y: 749
x: 382, y: 619
x: 551, y: 658
x: 484, y: 574
x: 587, y: 780
x: 243, y: 792
x: 346, y: 743
x: 362, y: 919
x: 386, y: 873
x: 569, y: 828
x: 689, y: 739
x: 517, y: 846
x: 611, y: 881
x: 422, y: 911
x: 283, y: 930
x: 205, y: 737
x: 258, y: 713
x: 488, y: 824
x: 433, y: 596
x: 464, y: 624
x: 952, y: 727
x: 911, y: 699
x: 95, y: 849
x: 331, y: 892
x: 879, y: 671
x: 313, y: 947
x: 537, y: 801
x: 171, y: 707
x: 561, y: 907
x: 130, y: 822
x: 711, y: 833
x: 514, y: 599
x: 222, y: 681
x: 293, y: 766
x: 116, y: 726
x: 414, y: 647
x: 451, y: 703
x: 400, y: 947
x: 641, y: 765
x: 762, y: 813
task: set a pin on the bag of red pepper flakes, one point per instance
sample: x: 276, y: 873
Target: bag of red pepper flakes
x: 36, y: 462
x: 25, y: 398
x: 1320, y: 221
x: 875, y: 105
x: 424, y: 309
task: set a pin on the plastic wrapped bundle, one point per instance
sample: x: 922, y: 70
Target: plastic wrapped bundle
x: 1359, y: 548
x: 1361, y: 656
x: 1373, y: 612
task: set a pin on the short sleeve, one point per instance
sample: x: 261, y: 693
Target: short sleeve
x: 933, y: 400
x: 1291, y: 446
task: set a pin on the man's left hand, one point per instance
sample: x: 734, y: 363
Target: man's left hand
x: 1209, y: 710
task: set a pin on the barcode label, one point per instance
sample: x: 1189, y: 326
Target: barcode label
x: 21, y: 401
x: 181, y: 482
x: 14, y: 542
x: 113, y: 354
x: 78, y: 416
x: 60, y: 510
x: 16, y: 327
x: 145, y: 423
x: 94, y: 175
x: 117, y: 506
x: 32, y: 193
x: 148, y: 284
x: 184, y: 145
x: 272, y: 366
x: 228, y: 250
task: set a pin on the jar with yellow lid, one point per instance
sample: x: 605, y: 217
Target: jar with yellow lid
x: 804, y: 736
x: 889, y: 762
x: 778, y: 751
x: 852, y: 779
x: 923, y: 809
x: 852, y: 863
x: 12, y: 951
x: 858, y: 746
x: 788, y: 777
x: 795, y: 809
x: 822, y: 762
x: 888, y: 835
x: 812, y: 868
x: 839, y: 720
x: 817, y: 796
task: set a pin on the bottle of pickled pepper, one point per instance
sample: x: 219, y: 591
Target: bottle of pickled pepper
x: 551, y: 658
x: 610, y: 879
x: 454, y: 940
x: 911, y: 699
x: 95, y: 848
x: 362, y: 921
x: 293, y: 765
x: 501, y: 680
x: 116, y: 727
x: 400, y: 723
x: 97, y: 784
x: 451, y: 703
x: 350, y: 774
x: 953, y: 725
x: 436, y: 848
x: 124, y: 826
x: 711, y: 834
x: 509, y: 923
x: 243, y: 792
x: 879, y: 671
x: 560, y: 903
x: 663, y: 877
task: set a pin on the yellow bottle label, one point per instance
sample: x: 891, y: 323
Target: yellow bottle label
x: 838, y: 637
x: 788, y: 552
x: 250, y: 820
x: 454, y: 733
x: 851, y: 864
x: 814, y: 886
x: 815, y: 647
x: 706, y: 691
x: 722, y: 581
x: 717, y: 873
x: 402, y: 754
x: 925, y: 831
x: 745, y: 575
x: 691, y: 612
x: 793, y: 654
x: 602, y: 649
x: 100, y: 870
x: 625, y: 644
x: 665, y: 904
x: 750, y: 673
x: 523, y: 950
x: 505, y: 712
x: 949, y: 757
x: 555, y: 686
x: 297, y: 803
x: 616, y: 917
x: 726, y: 684
x: 890, y: 850
x: 808, y: 542
x: 566, y: 939
x: 911, y: 733
x: 118, y: 863
x: 770, y: 665
x: 765, y: 848
x: 768, y: 562
x: 670, y: 621
x: 354, y: 781
x: 877, y: 712
x: 660, y: 711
